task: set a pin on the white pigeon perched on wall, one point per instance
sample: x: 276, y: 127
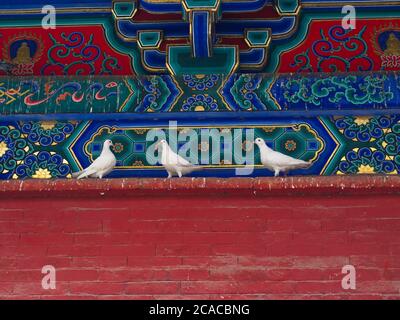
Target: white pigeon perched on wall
x: 174, y: 163
x: 100, y: 167
x: 278, y: 162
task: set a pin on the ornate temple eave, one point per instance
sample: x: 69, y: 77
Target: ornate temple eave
x: 211, y: 187
x: 35, y: 4
x: 19, y: 6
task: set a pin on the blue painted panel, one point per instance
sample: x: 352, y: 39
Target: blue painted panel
x: 200, y: 44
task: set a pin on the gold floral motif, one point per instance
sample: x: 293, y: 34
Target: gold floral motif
x: 3, y: 148
x: 199, y: 108
x: 290, y: 145
x: 139, y: 131
x: 42, y: 174
x: 366, y: 169
x: 268, y: 129
x: 362, y: 120
x: 118, y: 147
x: 48, y: 125
x: 183, y: 131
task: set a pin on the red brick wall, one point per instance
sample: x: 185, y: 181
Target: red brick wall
x: 197, y: 239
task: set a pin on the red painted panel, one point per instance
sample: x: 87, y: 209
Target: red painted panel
x: 63, y: 51
x: 328, y: 48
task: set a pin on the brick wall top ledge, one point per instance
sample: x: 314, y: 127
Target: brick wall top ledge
x: 203, y: 186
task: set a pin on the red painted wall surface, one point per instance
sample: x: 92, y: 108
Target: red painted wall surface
x: 198, y: 239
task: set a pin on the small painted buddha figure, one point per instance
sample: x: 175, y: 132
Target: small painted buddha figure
x: 23, y: 54
x: 392, y: 46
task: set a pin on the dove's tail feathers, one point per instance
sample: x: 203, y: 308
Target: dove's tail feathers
x: 192, y: 167
x: 304, y: 165
x: 309, y: 164
x: 189, y: 169
x: 76, y: 174
x: 86, y: 173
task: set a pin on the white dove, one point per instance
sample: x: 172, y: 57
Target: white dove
x: 174, y: 163
x: 100, y: 167
x: 278, y: 162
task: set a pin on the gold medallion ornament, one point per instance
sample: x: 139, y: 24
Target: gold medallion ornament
x: 23, y: 50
